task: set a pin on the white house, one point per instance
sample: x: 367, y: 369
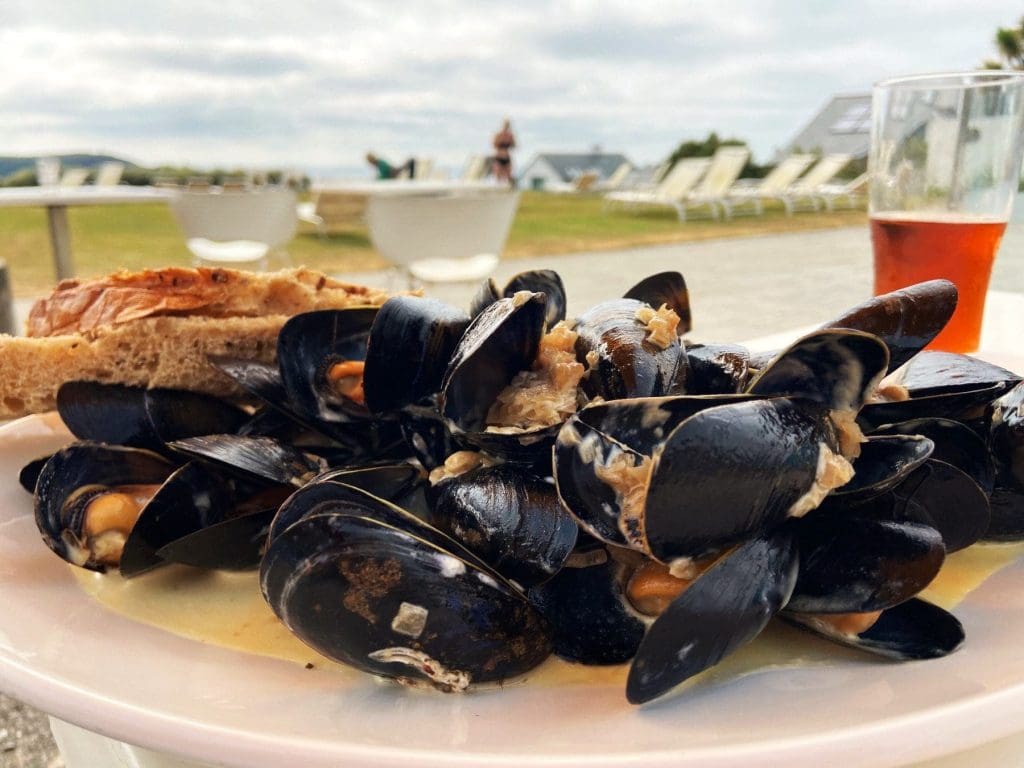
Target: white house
x: 551, y: 170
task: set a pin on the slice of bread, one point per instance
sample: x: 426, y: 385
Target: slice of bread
x: 156, y: 328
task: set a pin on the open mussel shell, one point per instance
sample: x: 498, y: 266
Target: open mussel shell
x: 627, y: 365
x: 837, y: 368
x: 955, y: 444
x: 509, y: 517
x: 142, y: 418
x: 717, y: 369
x: 545, y: 281
x: 906, y: 320
x: 855, y: 564
x: 584, y: 603
x: 385, y: 601
x: 393, y: 482
x: 77, y: 475
x: 732, y: 470
x: 721, y: 611
x: 410, y: 343
x: 500, y: 342
x: 884, y: 462
x: 191, y: 499
x: 915, y: 629
x: 259, y: 457
x: 602, y: 439
x: 940, y: 384
x: 668, y: 288
x: 308, y: 346
x: 1007, y: 433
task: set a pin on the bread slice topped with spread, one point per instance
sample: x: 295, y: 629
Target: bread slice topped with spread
x: 156, y: 328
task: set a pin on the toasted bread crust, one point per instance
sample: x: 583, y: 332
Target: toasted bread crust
x: 156, y: 328
x: 85, y: 306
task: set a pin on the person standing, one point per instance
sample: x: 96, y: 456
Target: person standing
x: 504, y: 142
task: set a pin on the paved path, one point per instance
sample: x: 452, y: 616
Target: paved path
x: 739, y: 289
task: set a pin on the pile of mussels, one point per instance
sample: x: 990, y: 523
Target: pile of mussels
x: 447, y: 498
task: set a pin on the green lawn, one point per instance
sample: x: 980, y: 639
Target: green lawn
x: 105, y: 238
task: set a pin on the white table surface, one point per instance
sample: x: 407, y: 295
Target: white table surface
x: 44, y: 197
x: 404, y: 187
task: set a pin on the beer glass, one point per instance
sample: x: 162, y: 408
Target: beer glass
x: 945, y: 163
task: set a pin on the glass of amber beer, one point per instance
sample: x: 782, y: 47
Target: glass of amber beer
x: 945, y: 163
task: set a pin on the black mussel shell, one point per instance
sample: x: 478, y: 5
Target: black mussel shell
x: 627, y: 365
x: 411, y: 341
x: 336, y: 498
x: 906, y: 320
x: 29, y: 474
x: 592, y: 501
x: 234, y: 544
x: 955, y: 443
x: 952, y: 502
x: 912, y: 630
x: 392, y: 482
x: 941, y: 384
x: 73, y: 477
x: 544, y: 281
x: 509, y: 517
x: 837, y: 368
x: 380, y: 599
x: 665, y: 288
x: 142, y: 418
x: 716, y: 369
x: 1006, y: 505
x: 261, y: 457
x: 725, y: 608
x: 499, y: 343
x: 192, y: 498
x: 731, y: 471
x: 308, y: 345
x: 854, y: 564
x: 587, y: 610
x: 616, y: 434
x: 884, y: 462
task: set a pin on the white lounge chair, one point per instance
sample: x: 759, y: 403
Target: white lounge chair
x: 615, y: 181
x: 774, y: 186
x: 670, y: 191
x: 240, y: 229
x: 713, y: 191
x: 808, y: 187
x: 443, y: 237
x: 109, y: 174
x: 852, y: 192
x: 74, y: 177
x: 475, y: 169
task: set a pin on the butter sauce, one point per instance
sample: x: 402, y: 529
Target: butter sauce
x: 227, y: 609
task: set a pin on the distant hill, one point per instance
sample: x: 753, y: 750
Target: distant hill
x: 9, y: 164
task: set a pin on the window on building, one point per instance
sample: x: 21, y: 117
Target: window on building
x: 856, y: 119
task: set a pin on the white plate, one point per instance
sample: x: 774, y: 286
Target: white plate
x: 71, y: 657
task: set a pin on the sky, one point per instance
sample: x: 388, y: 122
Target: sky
x: 313, y: 85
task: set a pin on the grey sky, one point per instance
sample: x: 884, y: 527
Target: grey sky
x: 316, y: 84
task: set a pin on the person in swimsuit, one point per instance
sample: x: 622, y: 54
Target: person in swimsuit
x: 504, y: 142
x: 386, y: 170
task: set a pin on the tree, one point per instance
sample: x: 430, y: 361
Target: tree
x: 1010, y: 44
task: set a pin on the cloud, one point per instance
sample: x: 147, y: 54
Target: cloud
x: 317, y: 83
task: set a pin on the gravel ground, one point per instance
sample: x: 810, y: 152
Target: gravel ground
x: 740, y: 289
x: 25, y: 740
